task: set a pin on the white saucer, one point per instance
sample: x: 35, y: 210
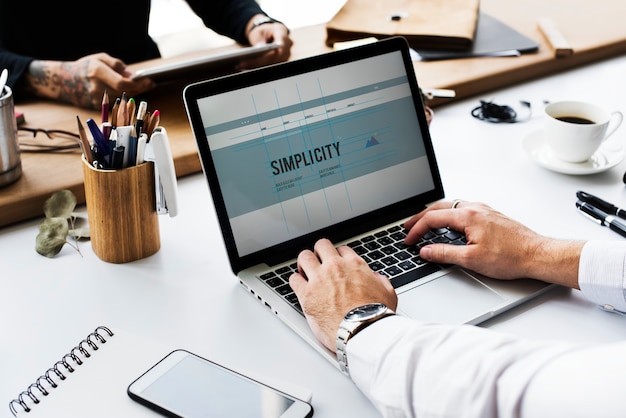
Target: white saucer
x: 603, y: 159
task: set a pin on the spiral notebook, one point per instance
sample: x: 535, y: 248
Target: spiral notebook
x: 91, y: 379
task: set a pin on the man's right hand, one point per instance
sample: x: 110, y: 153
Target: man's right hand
x: 497, y: 246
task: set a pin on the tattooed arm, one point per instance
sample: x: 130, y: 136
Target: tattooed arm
x: 82, y: 82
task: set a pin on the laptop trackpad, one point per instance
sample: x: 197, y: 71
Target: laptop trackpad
x: 454, y: 298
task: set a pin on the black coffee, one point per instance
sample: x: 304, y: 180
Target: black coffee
x: 575, y: 119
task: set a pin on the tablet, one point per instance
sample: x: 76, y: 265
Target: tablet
x: 217, y: 61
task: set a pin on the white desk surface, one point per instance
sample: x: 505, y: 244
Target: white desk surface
x: 186, y: 296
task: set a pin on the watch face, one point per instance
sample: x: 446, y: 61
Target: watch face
x: 366, y: 312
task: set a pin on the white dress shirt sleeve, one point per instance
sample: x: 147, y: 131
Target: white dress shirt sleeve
x: 602, y: 273
x: 409, y: 368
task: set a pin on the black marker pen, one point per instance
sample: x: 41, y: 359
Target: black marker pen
x: 603, y: 205
x: 601, y: 217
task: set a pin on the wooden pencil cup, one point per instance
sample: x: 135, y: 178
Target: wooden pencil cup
x: 123, y: 221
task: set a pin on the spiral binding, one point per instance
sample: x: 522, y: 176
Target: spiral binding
x: 58, y: 372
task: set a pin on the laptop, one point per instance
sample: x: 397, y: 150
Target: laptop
x: 336, y: 146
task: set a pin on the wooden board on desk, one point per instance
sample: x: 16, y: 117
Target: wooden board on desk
x: 604, y: 36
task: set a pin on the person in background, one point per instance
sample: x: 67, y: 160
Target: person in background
x: 410, y: 368
x: 72, y: 53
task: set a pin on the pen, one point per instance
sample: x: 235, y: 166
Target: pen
x: 438, y: 93
x: 105, y: 107
x: 601, y: 217
x: 117, y: 157
x: 116, y: 106
x: 101, y: 142
x: 122, y: 111
x: 84, y: 142
x: 132, y: 148
x: 141, y: 147
x: 603, y: 205
x: 154, y: 122
x: 106, y: 130
x: 3, y: 80
x: 141, y: 114
x: 131, y: 106
x: 146, y: 123
x: 123, y: 139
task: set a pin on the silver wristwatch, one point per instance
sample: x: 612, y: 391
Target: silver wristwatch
x: 354, y: 321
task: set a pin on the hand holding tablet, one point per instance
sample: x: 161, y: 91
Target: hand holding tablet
x: 222, y: 60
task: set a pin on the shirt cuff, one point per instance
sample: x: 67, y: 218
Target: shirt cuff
x: 365, y: 349
x: 602, y: 273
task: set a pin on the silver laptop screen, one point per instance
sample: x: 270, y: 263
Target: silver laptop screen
x: 304, y: 152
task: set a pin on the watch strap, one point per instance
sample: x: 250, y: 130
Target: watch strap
x: 349, y: 329
x: 262, y: 21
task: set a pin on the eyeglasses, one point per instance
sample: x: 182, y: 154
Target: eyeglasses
x: 52, y: 140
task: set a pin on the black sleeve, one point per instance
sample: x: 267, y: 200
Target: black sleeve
x: 15, y: 64
x: 227, y: 17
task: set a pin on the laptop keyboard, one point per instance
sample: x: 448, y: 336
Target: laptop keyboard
x: 385, y: 252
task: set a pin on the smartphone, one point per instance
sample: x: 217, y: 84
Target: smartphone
x: 184, y: 384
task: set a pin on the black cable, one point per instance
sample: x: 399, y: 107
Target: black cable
x: 491, y: 112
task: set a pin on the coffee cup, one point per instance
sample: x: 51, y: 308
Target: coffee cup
x: 10, y: 162
x: 575, y: 130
